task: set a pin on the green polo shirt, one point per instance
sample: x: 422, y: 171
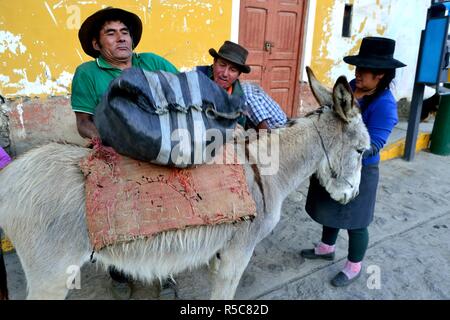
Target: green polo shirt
x: 91, y: 79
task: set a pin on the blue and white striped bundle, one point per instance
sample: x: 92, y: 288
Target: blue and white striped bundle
x: 167, y: 119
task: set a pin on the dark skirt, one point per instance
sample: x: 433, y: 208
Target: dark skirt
x: 356, y: 214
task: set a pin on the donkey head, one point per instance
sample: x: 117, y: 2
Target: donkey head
x: 343, y: 137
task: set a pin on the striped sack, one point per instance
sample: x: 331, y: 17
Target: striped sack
x: 165, y: 118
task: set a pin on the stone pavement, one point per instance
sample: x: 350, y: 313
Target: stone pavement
x: 408, y: 255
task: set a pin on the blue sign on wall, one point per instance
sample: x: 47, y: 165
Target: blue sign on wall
x: 432, y: 54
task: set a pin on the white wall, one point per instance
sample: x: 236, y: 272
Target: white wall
x: 235, y: 11
x: 309, y: 35
x: 401, y: 20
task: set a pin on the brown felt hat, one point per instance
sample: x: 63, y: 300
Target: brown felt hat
x: 234, y: 53
x: 91, y: 26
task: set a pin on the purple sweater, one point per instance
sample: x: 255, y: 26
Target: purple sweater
x: 4, y: 158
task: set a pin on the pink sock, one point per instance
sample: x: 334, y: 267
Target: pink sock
x: 352, y: 269
x: 323, y: 248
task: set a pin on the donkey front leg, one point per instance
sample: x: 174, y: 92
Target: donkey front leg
x: 229, y: 270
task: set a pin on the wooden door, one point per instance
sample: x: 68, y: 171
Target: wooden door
x: 272, y: 31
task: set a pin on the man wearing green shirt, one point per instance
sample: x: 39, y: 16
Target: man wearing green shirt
x: 109, y: 36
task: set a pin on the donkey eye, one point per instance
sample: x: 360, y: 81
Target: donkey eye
x: 360, y: 151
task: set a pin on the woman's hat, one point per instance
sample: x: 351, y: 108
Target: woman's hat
x: 234, y: 53
x: 375, y: 53
x: 91, y: 26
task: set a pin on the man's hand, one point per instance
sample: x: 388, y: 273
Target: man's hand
x: 263, y: 125
x: 85, y: 125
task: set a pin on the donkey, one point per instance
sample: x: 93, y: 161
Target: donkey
x: 42, y: 204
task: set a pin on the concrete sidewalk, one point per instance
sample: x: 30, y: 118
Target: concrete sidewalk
x: 408, y: 255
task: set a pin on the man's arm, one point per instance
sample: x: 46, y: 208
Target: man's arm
x: 84, y: 99
x: 263, y: 111
x: 85, y: 125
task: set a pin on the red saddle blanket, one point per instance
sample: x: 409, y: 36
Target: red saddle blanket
x: 127, y: 199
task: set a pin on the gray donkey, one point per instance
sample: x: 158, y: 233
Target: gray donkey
x: 42, y: 204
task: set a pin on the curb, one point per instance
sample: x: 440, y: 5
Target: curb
x: 397, y: 149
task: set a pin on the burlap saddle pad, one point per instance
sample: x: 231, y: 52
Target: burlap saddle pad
x: 127, y: 199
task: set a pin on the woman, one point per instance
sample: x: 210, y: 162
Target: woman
x: 375, y: 69
x: 4, y: 158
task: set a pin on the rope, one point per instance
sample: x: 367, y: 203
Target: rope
x: 334, y: 175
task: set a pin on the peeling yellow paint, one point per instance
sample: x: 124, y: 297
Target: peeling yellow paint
x: 321, y: 64
x: 362, y: 25
x: 39, y: 45
x: 354, y: 51
x: 370, y: 18
x: 381, y: 29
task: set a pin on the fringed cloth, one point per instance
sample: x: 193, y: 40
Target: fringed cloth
x: 127, y: 199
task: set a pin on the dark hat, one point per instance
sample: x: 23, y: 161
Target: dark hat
x: 375, y: 53
x: 234, y: 53
x: 91, y: 26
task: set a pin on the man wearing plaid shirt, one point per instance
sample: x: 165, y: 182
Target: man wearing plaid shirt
x: 263, y: 111
x: 229, y: 62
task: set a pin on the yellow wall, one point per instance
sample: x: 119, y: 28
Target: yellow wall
x: 320, y: 62
x: 39, y: 47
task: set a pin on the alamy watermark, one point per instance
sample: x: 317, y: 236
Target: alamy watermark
x: 73, y: 21
x: 73, y: 281
x: 232, y: 147
x: 374, y: 280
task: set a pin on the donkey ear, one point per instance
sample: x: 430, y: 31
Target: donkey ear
x: 343, y: 101
x: 323, y: 95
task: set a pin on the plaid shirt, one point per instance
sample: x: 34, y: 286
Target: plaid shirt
x: 260, y: 106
